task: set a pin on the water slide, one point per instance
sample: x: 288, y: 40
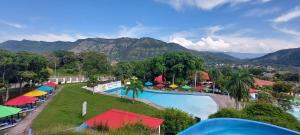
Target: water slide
x: 234, y: 126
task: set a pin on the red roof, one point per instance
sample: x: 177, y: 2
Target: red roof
x: 159, y: 79
x: 51, y: 84
x: 252, y: 90
x: 115, y: 119
x: 204, y: 76
x: 200, y: 87
x: 261, y: 83
x: 21, y: 100
x: 160, y: 85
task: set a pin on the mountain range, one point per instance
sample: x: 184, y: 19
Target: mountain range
x: 136, y: 49
x: 116, y: 49
x: 287, y: 57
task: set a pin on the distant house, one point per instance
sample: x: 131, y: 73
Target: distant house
x: 253, y: 93
x: 262, y: 83
x: 205, y: 79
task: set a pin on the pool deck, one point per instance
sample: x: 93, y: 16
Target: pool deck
x: 222, y: 101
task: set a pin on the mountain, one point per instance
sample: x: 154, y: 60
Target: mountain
x: 116, y: 49
x: 245, y: 55
x: 288, y: 57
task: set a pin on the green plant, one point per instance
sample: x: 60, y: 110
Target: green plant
x: 135, y: 86
x: 227, y: 113
x: 176, y: 121
x: 238, y: 85
x: 263, y: 112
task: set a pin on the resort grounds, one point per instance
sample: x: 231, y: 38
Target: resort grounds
x: 63, y: 114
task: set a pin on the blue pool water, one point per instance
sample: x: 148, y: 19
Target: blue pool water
x: 198, y: 105
x: 233, y: 126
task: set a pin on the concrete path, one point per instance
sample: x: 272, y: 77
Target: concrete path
x: 23, y: 127
x: 223, y: 101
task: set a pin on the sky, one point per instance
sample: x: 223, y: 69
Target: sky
x: 247, y: 26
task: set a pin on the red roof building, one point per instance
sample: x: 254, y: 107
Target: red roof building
x: 204, y: 76
x: 21, y: 100
x: 261, y: 83
x: 115, y: 119
x: 252, y: 90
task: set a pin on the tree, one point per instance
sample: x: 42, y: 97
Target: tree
x: 135, y: 87
x: 123, y: 70
x: 6, y: 59
x: 6, y: 86
x: 281, y: 86
x: 215, y: 76
x: 95, y: 63
x: 176, y: 121
x: 92, y: 82
x: 265, y: 97
x: 263, y: 112
x: 238, y: 85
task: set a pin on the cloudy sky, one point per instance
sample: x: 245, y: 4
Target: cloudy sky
x: 253, y: 26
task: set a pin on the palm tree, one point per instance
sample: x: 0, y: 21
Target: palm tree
x: 135, y: 86
x: 238, y: 85
x: 215, y: 75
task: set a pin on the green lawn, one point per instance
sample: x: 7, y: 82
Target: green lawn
x: 65, y: 108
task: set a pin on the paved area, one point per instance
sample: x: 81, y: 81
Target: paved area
x: 223, y: 101
x: 23, y: 127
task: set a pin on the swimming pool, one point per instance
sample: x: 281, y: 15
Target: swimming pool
x: 198, y: 105
x: 234, y: 126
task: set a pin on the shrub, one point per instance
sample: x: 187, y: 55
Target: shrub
x: 176, y: 121
x: 227, y: 113
x: 263, y: 112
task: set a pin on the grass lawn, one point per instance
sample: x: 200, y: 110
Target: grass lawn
x: 65, y: 108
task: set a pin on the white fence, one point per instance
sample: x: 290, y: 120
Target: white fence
x: 64, y: 80
x: 104, y: 87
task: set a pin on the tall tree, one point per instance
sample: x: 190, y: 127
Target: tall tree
x: 238, y: 86
x: 215, y: 75
x: 95, y: 63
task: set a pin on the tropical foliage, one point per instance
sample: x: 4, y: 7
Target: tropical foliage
x: 238, y: 86
x: 263, y: 112
x: 22, y: 67
x: 176, y: 121
x: 135, y: 87
x: 177, y: 66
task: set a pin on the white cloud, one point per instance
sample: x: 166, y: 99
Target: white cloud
x: 290, y: 15
x: 261, y: 12
x: 236, y: 42
x: 135, y: 31
x: 205, y: 4
x: 50, y: 37
x: 287, y: 31
x: 12, y: 24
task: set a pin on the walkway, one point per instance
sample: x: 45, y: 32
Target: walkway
x: 24, y: 125
x: 223, y: 101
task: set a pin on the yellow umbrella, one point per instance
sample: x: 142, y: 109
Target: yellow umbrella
x: 173, y: 86
x: 35, y: 93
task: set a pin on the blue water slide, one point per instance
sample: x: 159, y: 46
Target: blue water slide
x: 234, y: 126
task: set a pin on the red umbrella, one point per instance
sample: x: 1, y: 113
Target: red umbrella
x: 21, y: 100
x: 160, y: 85
x: 51, y: 84
x: 200, y: 87
x: 159, y: 79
